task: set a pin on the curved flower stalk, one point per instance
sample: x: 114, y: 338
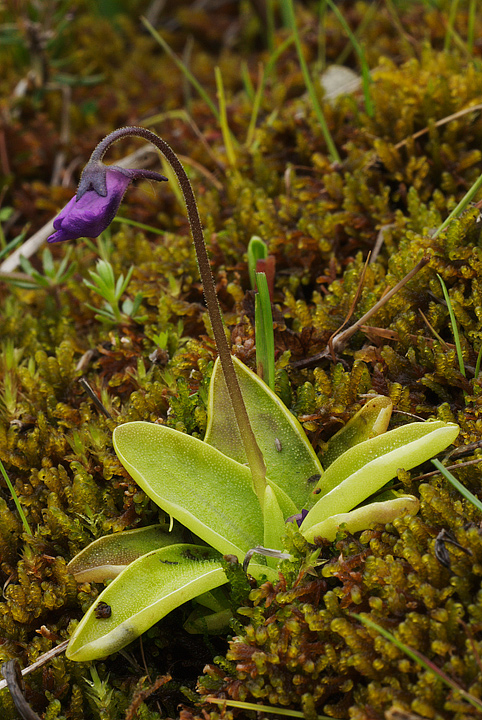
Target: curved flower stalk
x: 254, y: 471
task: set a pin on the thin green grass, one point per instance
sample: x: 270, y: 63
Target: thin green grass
x: 455, y: 330
x: 141, y: 226
x: 223, y: 119
x: 471, y: 27
x: 261, y: 86
x: 365, y: 70
x: 184, y: 69
x: 219, y: 114
x: 456, y: 212
x: 173, y: 181
x: 247, y: 83
x: 15, y: 499
x: 458, y: 485
x: 477, y: 364
x: 286, y: 712
x: 463, y: 204
x: 421, y: 660
x: 264, y: 332
x: 270, y: 24
x: 289, y: 16
x: 321, y: 36
x: 450, y: 24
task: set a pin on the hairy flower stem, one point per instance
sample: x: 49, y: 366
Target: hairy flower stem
x: 253, y: 453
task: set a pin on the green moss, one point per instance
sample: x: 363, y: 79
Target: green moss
x: 296, y: 644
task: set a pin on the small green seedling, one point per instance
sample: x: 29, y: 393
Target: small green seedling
x: 264, y: 332
x: 257, y: 250
x: 54, y: 274
x: 105, y: 284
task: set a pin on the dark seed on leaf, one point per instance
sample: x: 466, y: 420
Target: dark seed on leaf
x: 103, y: 611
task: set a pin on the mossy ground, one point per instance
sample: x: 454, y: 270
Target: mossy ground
x: 69, y: 76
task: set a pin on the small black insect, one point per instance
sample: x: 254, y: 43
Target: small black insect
x: 169, y: 562
x: 189, y: 555
x: 314, y: 478
x: 441, y: 552
x: 103, y: 611
x: 199, y: 555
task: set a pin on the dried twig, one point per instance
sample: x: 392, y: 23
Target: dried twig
x: 340, y: 340
x: 99, y: 405
x: 398, y: 713
x: 439, y: 123
x: 379, y: 242
x: 433, y: 473
x: 350, y: 311
x: 45, y: 658
x: 13, y: 678
x: 141, y: 695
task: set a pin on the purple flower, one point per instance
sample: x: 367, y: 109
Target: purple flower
x: 100, y: 193
x: 298, y: 517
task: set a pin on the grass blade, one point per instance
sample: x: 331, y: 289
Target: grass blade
x: 366, y: 79
x: 264, y: 332
x: 467, y: 198
x: 223, y: 119
x: 458, y: 485
x: 477, y: 364
x: 289, y: 14
x: 184, y: 69
x: 15, y: 499
x: 286, y: 712
x: 421, y: 660
x: 455, y: 329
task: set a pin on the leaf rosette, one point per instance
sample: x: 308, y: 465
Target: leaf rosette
x: 207, y: 487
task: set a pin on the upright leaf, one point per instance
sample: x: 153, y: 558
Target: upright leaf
x: 370, y: 421
x: 290, y: 460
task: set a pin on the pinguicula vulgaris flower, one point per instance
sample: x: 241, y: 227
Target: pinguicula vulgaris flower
x: 97, y: 201
x: 298, y: 517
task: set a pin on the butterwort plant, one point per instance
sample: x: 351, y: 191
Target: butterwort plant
x: 254, y: 471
